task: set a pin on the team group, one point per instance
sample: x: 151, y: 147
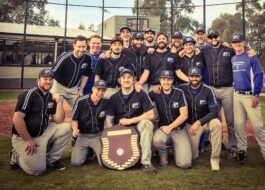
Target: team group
x: 180, y: 85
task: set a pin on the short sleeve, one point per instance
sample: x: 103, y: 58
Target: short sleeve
x: 111, y: 107
x: 98, y: 70
x: 146, y: 63
x: 88, y: 69
x: 178, y: 63
x: 146, y: 102
x: 24, y: 102
x: 75, y: 112
x: 182, y: 100
x: 212, y: 102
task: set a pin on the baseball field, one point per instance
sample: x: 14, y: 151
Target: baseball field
x: 91, y: 176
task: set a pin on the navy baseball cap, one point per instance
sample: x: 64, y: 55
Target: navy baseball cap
x: 125, y: 27
x: 150, y: 30
x: 237, y: 38
x: 116, y: 39
x: 129, y: 71
x: 200, y: 29
x: 46, y: 73
x: 213, y: 33
x: 100, y: 84
x: 189, y: 39
x: 166, y: 74
x: 138, y: 35
x: 162, y: 33
x: 177, y: 35
x: 194, y: 71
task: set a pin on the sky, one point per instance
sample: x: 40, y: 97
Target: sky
x: 86, y: 15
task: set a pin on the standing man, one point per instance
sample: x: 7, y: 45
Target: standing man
x: 248, y: 79
x: 203, y: 113
x: 149, y: 36
x: 95, y: 52
x: 134, y: 109
x: 218, y: 60
x: 36, y: 141
x: 161, y: 59
x: 88, y: 125
x: 173, y: 112
x: 200, y: 36
x: 125, y: 34
x: 176, y: 42
x: 69, y: 69
x: 109, y: 69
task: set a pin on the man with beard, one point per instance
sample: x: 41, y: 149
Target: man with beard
x: 134, y: 109
x: 200, y: 37
x: 109, y: 69
x: 69, y: 69
x: 192, y: 58
x: 37, y: 142
x: 248, y: 78
x: 176, y: 42
x: 218, y: 60
x: 88, y: 125
x: 173, y: 112
x: 149, y: 36
x: 125, y: 34
x: 95, y: 52
x: 202, y: 116
x: 162, y: 59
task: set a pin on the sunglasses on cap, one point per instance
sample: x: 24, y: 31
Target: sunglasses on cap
x: 212, y: 37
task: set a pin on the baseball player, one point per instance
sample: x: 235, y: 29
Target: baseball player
x: 36, y: 141
x: 200, y: 36
x: 69, y: 69
x: 176, y: 42
x: 88, y: 118
x: 161, y: 59
x: 95, y: 52
x: 203, y: 113
x: 109, y: 69
x: 248, y: 79
x: 218, y: 60
x: 125, y: 34
x: 134, y: 109
x: 173, y: 112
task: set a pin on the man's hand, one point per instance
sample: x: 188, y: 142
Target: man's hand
x: 138, y: 87
x: 225, y: 44
x: 182, y: 53
x: 31, y: 147
x: 255, y: 101
x: 165, y: 129
x: 57, y: 98
x: 150, y: 50
x: 105, y: 55
x: 75, y: 132
x: 125, y: 121
x: 157, y: 89
x: 194, y: 128
x: 251, y: 53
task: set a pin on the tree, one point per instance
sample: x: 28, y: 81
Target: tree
x: 92, y: 27
x: 81, y: 26
x: 181, y: 10
x: 14, y: 11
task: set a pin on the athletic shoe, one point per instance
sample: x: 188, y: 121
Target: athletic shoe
x: 149, y: 168
x: 231, y: 155
x: 215, y: 165
x: 57, y: 166
x: 13, y: 165
x: 242, y: 157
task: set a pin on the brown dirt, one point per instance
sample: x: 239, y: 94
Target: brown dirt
x: 8, y: 108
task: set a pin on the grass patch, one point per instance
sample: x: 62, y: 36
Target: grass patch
x: 91, y: 176
x: 9, y: 96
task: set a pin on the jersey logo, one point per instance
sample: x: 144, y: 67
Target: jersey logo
x: 203, y: 102
x: 226, y: 54
x: 84, y: 65
x: 136, y: 105
x: 170, y: 60
x: 175, y: 105
x: 50, y: 105
x: 198, y: 64
x: 102, y: 114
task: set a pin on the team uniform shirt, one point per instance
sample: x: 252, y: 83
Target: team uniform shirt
x: 247, y: 73
x: 129, y: 106
x: 137, y: 57
x: 188, y: 62
x: 207, y: 45
x: 91, y: 76
x: 90, y: 117
x: 37, y: 108
x: 158, y: 62
x: 109, y: 69
x: 219, y: 66
x: 69, y: 69
x: 168, y: 106
x: 202, y: 104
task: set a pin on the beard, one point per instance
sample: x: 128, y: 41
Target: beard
x: 162, y: 47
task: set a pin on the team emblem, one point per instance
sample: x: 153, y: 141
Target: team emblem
x: 198, y: 64
x: 136, y: 105
x: 170, y: 60
x: 84, y: 65
x: 203, y: 102
x: 102, y: 114
x: 175, y: 105
x: 226, y: 54
x: 50, y: 105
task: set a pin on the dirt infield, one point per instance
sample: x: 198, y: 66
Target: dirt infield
x: 8, y: 108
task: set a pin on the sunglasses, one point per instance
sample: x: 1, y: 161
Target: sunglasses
x: 212, y: 37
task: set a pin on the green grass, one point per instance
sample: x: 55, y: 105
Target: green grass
x: 7, y: 96
x: 91, y: 176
